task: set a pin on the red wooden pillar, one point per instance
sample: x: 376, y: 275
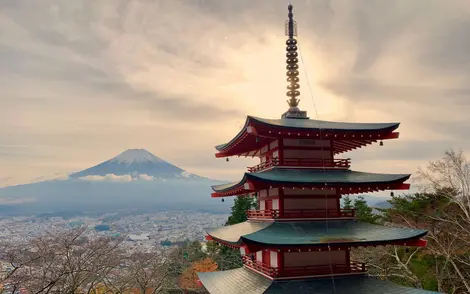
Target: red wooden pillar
x: 338, y: 203
x: 281, y: 150
x: 280, y: 262
x: 281, y: 202
x: 331, y: 152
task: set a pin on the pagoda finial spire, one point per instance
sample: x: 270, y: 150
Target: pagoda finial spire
x: 292, y: 68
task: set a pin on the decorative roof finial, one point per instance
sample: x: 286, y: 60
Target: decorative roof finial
x: 292, y: 68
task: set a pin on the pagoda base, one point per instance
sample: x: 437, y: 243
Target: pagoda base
x: 245, y: 281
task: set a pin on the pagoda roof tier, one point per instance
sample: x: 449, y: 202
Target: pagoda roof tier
x: 246, y: 281
x: 346, y: 136
x: 313, y: 234
x: 347, y: 181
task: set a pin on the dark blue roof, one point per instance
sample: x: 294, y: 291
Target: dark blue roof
x: 312, y: 177
x: 316, y: 233
x: 311, y: 125
x: 325, y: 125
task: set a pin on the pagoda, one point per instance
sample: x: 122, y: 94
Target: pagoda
x: 299, y: 240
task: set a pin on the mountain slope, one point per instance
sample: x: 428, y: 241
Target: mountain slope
x: 135, y: 163
x: 140, y: 181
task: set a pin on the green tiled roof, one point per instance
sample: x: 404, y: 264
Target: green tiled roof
x: 319, y: 233
x: 227, y: 186
x: 233, y: 234
x: 237, y: 281
x: 245, y: 281
x: 312, y: 125
x: 311, y: 177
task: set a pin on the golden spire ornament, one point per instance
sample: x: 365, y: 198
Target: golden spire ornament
x: 292, y: 69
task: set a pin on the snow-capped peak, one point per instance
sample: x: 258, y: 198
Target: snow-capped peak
x: 135, y: 156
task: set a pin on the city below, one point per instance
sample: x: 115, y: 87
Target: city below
x: 139, y: 231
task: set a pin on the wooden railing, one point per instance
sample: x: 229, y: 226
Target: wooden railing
x: 296, y: 271
x: 301, y: 213
x: 318, y: 213
x: 293, y: 271
x: 302, y: 162
x: 261, y: 267
x: 270, y: 213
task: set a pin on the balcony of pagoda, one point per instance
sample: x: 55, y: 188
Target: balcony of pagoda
x: 302, y: 162
x: 289, y: 214
x: 304, y: 271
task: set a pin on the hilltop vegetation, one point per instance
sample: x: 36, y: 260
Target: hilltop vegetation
x: 442, y: 208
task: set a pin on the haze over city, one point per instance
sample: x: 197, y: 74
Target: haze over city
x: 82, y: 81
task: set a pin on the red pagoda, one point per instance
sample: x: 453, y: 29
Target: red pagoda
x: 299, y: 239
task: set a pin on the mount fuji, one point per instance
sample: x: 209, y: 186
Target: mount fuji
x: 135, y: 164
x: 135, y: 180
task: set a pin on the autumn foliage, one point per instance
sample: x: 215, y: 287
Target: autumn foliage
x: 189, y: 278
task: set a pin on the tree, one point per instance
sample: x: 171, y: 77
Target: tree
x: 239, y: 208
x: 61, y: 263
x: 364, y: 212
x: 347, y: 203
x: 146, y: 271
x: 390, y: 263
x: 421, y: 210
x: 442, y: 208
x: 189, y: 278
x: 449, y: 178
x: 229, y: 258
x: 68, y: 262
x: 226, y: 258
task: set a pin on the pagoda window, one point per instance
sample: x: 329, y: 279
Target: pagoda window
x: 274, y: 259
x: 307, y: 154
x: 306, y: 143
x: 242, y: 251
x: 263, y: 193
x: 275, y: 204
x: 315, y: 258
x: 300, y: 192
x: 276, y: 154
x: 262, y: 204
x: 309, y: 203
x: 259, y: 256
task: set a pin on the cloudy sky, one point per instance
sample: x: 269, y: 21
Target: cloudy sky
x: 81, y: 81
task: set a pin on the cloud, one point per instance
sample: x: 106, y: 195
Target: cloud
x: 108, y: 177
x: 145, y: 177
x: 83, y: 80
x: 119, y: 178
x: 10, y: 201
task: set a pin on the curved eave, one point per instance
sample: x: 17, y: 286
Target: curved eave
x: 414, y: 241
x: 232, y: 189
x: 315, y: 233
x: 312, y: 125
x: 231, y: 235
x: 346, y: 136
x: 240, y: 134
x: 334, y: 178
x: 347, y: 182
